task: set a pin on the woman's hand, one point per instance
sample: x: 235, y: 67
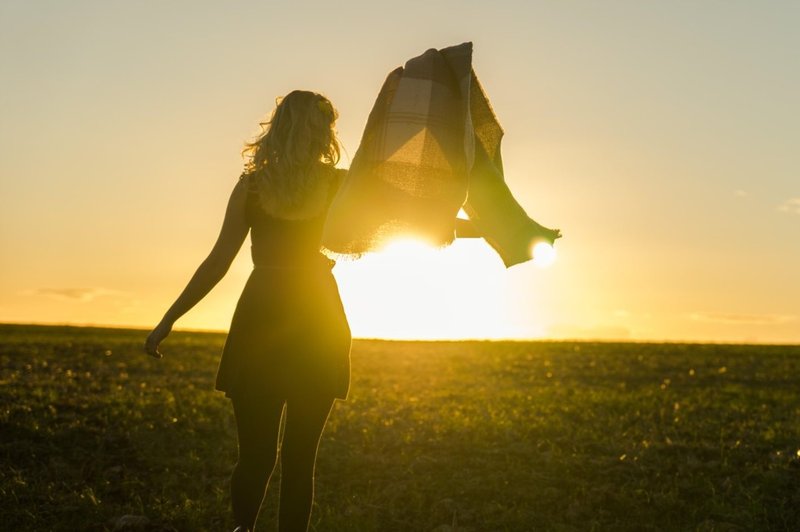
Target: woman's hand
x: 158, y: 334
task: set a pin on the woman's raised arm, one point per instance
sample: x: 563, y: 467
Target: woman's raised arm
x: 466, y: 229
x: 211, y: 270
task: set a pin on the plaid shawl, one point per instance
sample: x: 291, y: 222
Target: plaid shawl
x: 430, y: 147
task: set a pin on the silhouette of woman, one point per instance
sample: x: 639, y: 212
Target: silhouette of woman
x: 287, y: 354
x: 289, y: 341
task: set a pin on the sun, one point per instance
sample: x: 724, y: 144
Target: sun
x: 412, y: 290
x: 544, y: 255
x: 406, y: 252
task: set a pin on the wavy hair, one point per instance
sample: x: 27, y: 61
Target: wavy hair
x: 296, y: 146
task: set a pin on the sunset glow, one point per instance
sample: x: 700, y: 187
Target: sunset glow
x: 662, y: 149
x: 412, y: 290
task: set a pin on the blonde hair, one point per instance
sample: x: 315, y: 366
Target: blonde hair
x: 293, y: 155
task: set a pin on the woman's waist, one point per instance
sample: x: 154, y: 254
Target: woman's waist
x: 292, y: 261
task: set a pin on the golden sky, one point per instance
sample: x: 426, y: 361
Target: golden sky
x: 662, y: 138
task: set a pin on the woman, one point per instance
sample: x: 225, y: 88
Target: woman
x: 289, y: 341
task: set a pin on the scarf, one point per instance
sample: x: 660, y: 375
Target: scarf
x: 431, y: 146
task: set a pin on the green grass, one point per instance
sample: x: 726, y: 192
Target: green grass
x: 468, y: 436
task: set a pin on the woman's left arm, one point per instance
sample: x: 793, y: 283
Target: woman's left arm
x: 211, y: 270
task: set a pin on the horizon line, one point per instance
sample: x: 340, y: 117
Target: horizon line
x: 386, y: 339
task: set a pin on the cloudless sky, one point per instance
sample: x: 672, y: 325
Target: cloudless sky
x: 662, y: 138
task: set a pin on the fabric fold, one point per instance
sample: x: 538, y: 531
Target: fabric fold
x: 431, y: 146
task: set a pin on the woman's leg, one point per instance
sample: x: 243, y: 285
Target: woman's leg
x: 305, y: 419
x: 257, y: 423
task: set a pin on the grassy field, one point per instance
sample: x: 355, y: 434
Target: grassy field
x: 467, y: 436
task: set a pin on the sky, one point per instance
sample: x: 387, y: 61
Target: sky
x: 660, y: 137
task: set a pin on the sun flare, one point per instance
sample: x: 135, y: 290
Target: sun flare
x: 544, y: 255
x: 411, y: 290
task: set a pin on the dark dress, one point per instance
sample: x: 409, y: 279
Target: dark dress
x: 289, y: 335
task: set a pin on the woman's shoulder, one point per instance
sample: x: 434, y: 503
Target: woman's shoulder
x: 245, y: 178
x: 247, y: 183
x: 329, y: 180
x: 339, y: 175
x: 245, y: 192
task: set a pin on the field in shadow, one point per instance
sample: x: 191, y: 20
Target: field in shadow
x: 444, y: 436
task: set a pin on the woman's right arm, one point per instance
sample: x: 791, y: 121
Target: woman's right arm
x: 466, y: 229
x: 211, y: 270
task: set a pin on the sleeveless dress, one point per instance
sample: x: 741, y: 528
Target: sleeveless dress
x: 289, y: 335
